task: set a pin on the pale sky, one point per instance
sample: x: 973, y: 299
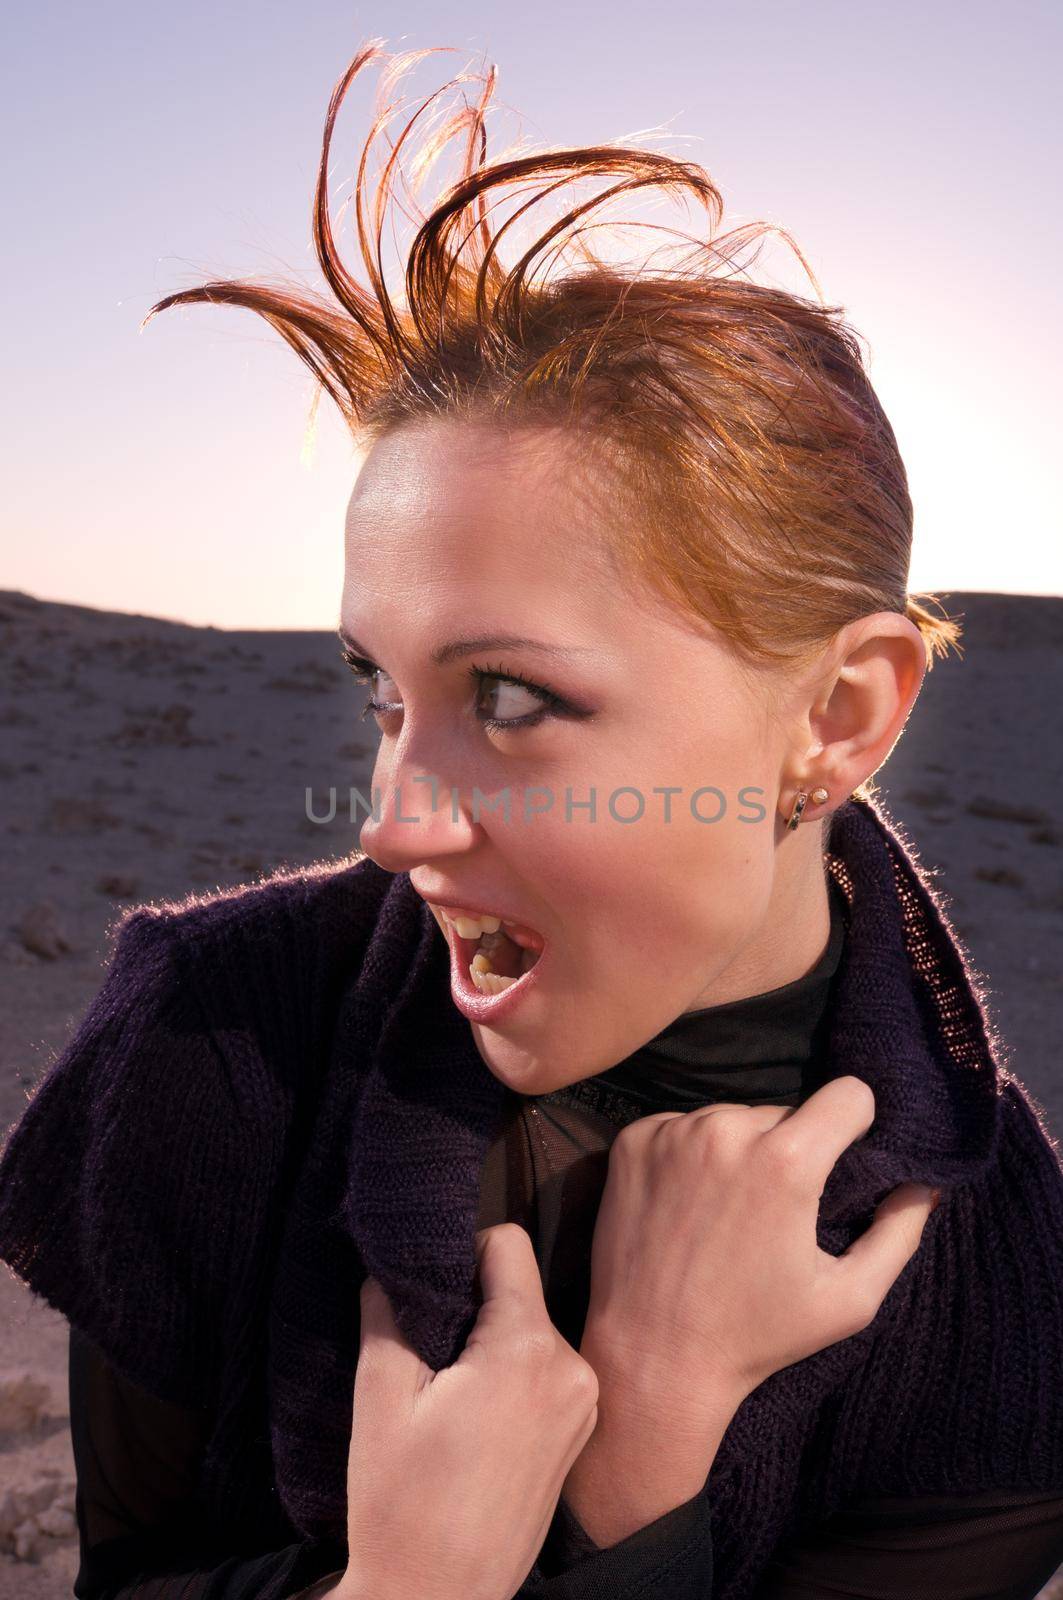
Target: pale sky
x: 911, y: 149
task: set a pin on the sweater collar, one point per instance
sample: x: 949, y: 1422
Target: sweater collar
x: 907, y: 1015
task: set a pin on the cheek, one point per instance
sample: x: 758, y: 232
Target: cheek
x: 639, y: 893
x: 694, y: 887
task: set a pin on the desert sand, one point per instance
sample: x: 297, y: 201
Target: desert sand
x: 142, y: 759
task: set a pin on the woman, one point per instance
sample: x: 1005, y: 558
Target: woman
x: 630, y: 956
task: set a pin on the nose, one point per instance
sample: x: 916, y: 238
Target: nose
x: 420, y: 817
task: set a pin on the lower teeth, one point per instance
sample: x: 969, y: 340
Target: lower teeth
x: 489, y: 982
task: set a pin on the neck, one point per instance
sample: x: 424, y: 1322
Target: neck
x: 789, y: 942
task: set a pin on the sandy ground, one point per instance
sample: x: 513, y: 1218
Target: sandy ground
x: 141, y: 759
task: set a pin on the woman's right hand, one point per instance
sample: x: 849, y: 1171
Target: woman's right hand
x: 706, y: 1272
x: 453, y: 1476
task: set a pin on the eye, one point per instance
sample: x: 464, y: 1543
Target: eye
x: 364, y: 671
x: 503, y: 691
x: 509, y: 691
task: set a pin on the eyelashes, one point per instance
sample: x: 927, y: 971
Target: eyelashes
x: 364, y: 671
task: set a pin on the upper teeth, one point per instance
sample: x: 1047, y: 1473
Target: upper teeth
x: 473, y: 927
x: 469, y: 926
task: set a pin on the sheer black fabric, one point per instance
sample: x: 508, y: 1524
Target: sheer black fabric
x: 141, y: 1528
x: 143, y: 1536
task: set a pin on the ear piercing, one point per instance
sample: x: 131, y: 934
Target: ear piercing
x: 818, y: 797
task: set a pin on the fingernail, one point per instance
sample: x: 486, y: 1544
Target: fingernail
x: 935, y: 1198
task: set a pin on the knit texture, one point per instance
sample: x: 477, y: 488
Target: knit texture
x: 273, y: 1094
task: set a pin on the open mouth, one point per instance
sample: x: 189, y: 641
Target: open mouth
x: 496, y: 954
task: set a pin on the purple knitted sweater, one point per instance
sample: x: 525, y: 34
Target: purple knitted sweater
x: 273, y: 1093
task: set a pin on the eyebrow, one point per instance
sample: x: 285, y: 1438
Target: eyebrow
x: 444, y: 653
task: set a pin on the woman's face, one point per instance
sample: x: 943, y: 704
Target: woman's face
x: 456, y: 533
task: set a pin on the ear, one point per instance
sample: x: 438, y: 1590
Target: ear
x: 862, y: 705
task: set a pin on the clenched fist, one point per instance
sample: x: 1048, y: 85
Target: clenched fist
x: 706, y: 1274
x: 453, y: 1476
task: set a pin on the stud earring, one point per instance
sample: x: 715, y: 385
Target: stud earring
x: 819, y: 797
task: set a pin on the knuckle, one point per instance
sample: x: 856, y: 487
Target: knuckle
x: 783, y: 1153
x: 861, y: 1092
x: 631, y: 1136
x: 506, y: 1231
x: 863, y: 1310
x: 724, y: 1131
x: 583, y: 1381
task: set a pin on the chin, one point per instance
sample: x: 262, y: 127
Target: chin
x: 520, y: 1070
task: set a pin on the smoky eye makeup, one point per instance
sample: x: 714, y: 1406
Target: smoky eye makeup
x: 552, y: 704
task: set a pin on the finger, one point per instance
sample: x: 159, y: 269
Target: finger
x: 384, y: 1350
x: 827, y: 1123
x: 873, y: 1263
x: 766, y: 1116
x: 510, y: 1280
x: 655, y: 1117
